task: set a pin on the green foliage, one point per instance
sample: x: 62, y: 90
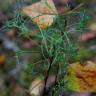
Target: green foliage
x: 56, y: 49
x: 83, y: 21
x: 83, y: 54
x: 20, y: 23
x: 60, y: 48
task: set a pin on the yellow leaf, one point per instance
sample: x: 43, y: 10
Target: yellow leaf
x: 86, y: 76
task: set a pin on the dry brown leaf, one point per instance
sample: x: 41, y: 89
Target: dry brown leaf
x: 86, y: 75
x: 42, y: 13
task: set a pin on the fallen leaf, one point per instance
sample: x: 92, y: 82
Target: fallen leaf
x: 37, y: 85
x: 86, y: 76
x: 42, y: 13
x: 36, y: 88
